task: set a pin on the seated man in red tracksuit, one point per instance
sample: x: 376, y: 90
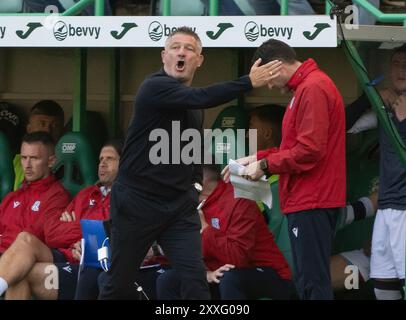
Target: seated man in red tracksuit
x: 241, y: 257
x: 60, y: 249
x: 26, y: 214
x: 92, y: 203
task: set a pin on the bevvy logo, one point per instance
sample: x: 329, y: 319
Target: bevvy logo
x: 60, y: 31
x: 253, y: 31
x: 157, y: 30
x: 63, y: 30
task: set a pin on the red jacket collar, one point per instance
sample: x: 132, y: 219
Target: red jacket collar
x: 41, y: 184
x: 301, y: 73
x: 216, y: 193
x: 96, y: 190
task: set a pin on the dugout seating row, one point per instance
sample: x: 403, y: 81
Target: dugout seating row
x: 75, y: 154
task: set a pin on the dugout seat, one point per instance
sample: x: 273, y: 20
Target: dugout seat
x: 232, y: 145
x: 6, y: 167
x: 278, y: 223
x: 96, y: 131
x: 76, y: 160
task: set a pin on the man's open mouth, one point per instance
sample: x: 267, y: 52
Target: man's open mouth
x: 180, y: 65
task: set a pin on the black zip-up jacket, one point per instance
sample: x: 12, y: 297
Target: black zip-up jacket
x: 160, y: 101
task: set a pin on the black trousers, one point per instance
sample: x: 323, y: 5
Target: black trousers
x: 236, y: 284
x: 254, y: 283
x: 87, y: 287
x: 91, y: 279
x: 136, y: 222
x: 311, y: 234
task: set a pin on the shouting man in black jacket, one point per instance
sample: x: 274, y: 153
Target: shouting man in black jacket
x: 153, y: 197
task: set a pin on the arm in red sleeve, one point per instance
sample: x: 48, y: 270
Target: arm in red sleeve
x: 67, y: 252
x: 264, y: 153
x: 55, y: 204
x: 234, y: 244
x: 64, y: 234
x: 61, y: 234
x: 3, y: 206
x: 312, y: 124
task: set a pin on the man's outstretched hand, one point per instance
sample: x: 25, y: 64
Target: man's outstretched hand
x: 262, y: 75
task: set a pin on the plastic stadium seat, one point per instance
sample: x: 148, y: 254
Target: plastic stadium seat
x: 11, y: 6
x: 96, y: 131
x: 233, y: 118
x: 6, y: 167
x: 278, y: 223
x: 76, y: 159
x: 282, y: 236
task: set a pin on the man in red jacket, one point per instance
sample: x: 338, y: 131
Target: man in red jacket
x: 25, y: 213
x: 238, y: 249
x: 33, y: 265
x: 311, y: 164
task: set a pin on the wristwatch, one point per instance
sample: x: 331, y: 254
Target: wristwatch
x: 263, y: 165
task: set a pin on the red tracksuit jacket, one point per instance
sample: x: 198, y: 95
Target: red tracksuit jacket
x: 311, y: 158
x: 89, y: 203
x: 238, y: 234
x: 30, y: 208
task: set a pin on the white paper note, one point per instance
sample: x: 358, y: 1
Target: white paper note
x: 254, y: 190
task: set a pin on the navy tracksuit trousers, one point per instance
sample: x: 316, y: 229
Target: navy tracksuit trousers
x: 311, y: 233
